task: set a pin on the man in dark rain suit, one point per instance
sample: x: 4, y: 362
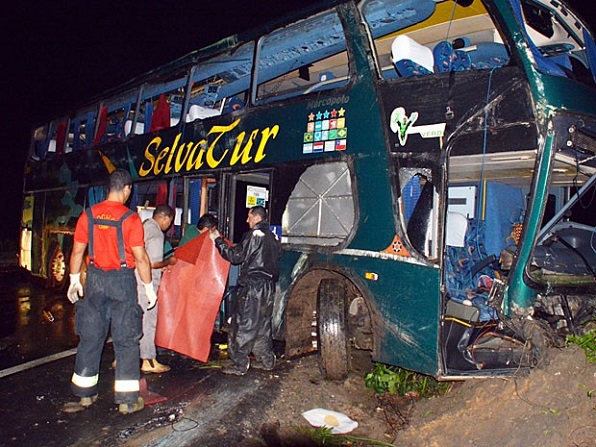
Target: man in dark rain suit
x: 113, y: 235
x: 258, y: 253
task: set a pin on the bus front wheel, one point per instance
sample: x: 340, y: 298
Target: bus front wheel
x: 332, y: 329
x: 56, y: 268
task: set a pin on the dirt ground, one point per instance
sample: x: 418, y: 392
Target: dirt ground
x: 550, y: 407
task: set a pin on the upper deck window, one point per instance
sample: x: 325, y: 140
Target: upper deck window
x: 220, y: 84
x: 301, y: 58
x: 422, y: 37
x: 560, y: 44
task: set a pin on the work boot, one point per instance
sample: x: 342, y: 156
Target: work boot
x: 153, y: 366
x: 132, y: 408
x: 88, y: 401
x: 263, y: 366
x: 234, y: 370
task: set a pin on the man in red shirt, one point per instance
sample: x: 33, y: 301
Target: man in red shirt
x: 113, y: 236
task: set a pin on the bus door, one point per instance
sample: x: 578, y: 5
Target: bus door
x: 242, y: 192
x: 245, y: 190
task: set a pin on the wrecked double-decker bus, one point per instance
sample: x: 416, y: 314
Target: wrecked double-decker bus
x: 428, y: 164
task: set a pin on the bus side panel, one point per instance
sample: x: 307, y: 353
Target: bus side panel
x: 407, y: 299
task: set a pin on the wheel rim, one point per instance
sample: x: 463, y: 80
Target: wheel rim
x: 58, y: 266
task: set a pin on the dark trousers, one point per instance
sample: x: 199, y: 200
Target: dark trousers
x: 109, y: 304
x: 250, y: 328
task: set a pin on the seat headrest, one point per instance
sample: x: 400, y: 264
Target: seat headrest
x: 404, y: 47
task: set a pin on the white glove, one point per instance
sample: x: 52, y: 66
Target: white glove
x: 214, y: 234
x: 75, y: 289
x: 151, y: 295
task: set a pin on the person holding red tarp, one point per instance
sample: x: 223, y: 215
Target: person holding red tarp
x: 259, y: 253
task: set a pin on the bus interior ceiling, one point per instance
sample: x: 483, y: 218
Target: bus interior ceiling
x: 515, y: 169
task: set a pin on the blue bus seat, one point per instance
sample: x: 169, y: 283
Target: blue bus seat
x: 327, y: 81
x: 487, y: 55
x: 563, y: 60
x: 233, y: 104
x: 447, y: 59
x: 411, y: 58
x: 469, y: 275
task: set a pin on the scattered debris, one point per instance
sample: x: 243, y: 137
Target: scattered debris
x: 338, y: 422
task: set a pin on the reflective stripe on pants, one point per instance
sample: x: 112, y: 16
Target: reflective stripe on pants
x: 85, y: 382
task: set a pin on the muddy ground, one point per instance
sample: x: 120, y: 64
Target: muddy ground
x: 552, y: 406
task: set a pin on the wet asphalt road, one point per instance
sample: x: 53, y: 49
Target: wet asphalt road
x: 200, y: 406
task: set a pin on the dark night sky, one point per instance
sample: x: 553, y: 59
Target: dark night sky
x: 58, y: 53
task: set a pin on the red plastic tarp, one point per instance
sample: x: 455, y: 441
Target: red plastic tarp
x: 190, y: 295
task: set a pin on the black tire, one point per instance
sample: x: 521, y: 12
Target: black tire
x: 57, y: 268
x: 332, y: 340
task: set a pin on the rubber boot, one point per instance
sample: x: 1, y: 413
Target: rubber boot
x: 132, y: 408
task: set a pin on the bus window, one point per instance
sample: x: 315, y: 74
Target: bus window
x: 220, y: 85
x: 200, y: 197
x: 419, y: 195
x: 26, y: 232
x: 418, y: 209
x: 421, y: 37
x: 52, y: 142
x: 147, y: 195
x: 305, y: 57
x: 39, y: 142
x: 556, y: 39
x: 82, y: 129
x: 115, y: 119
x: 160, y: 105
x: 321, y: 208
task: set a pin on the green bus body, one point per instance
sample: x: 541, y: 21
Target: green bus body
x: 360, y: 253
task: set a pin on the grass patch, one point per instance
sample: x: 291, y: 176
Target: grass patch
x: 394, y: 380
x: 587, y: 342
x: 322, y: 436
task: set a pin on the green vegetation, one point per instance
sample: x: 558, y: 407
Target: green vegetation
x: 587, y: 342
x: 394, y: 380
x: 322, y: 436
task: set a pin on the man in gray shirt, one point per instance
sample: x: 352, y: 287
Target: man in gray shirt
x: 154, y: 228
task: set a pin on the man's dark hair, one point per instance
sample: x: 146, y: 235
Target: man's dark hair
x: 119, y: 179
x: 207, y: 221
x: 259, y: 211
x: 164, y: 210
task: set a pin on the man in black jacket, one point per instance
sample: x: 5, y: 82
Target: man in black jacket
x: 259, y: 253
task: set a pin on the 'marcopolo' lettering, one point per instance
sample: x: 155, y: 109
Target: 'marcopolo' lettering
x: 190, y: 156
